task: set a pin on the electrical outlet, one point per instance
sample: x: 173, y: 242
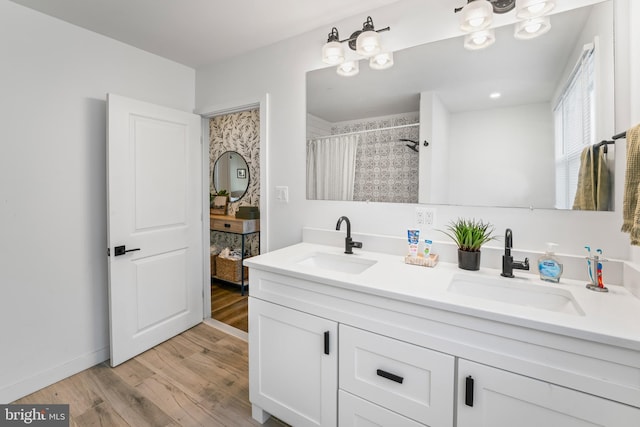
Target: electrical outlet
x: 425, y: 216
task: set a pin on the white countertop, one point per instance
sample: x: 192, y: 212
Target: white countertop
x: 609, y: 318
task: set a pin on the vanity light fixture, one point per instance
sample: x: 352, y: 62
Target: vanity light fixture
x: 348, y: 68
x: 381, y: 61
x: 365, y: 42
x: 532, y: 28
x: 480, y: 39
x: 477, y: 15
x: 527, y: 9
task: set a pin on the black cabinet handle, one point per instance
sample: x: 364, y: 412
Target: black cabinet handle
x: 468, y: 393
x: 326, y: 342
x: 389, y: 376
x: 227, y: 226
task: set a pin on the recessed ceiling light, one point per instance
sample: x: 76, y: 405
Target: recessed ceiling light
x: 495, y: 95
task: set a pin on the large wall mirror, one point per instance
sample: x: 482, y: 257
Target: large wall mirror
x: 230, y: 173
x: 501, y: 151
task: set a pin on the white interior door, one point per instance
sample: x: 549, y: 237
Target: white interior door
x: 154, y: 199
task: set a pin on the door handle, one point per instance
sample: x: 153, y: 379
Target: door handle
x: 326, y: 342
x: 121, y: 250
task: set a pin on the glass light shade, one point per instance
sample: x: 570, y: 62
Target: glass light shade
x: 381, y: 61
x: 348, y: 68
x: 476, y: 16
x: 480, y: 39
x: 532, y: 28
x: 527, y: 9
x: 368, y: 44
x: 332, y: 53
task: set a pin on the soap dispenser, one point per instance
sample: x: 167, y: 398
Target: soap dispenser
x: 548, y: 265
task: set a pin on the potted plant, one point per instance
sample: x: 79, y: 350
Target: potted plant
x: 218, y: 202
x: 469, y: 235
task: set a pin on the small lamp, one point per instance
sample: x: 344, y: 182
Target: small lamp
x: 332, y: 51
x: 476, y: 15
x: 348, y: 68
x: 368, y: 41
x: 532, y: 28
x: 480, y: 39
x: 381, y: 61
x: 527, y: 9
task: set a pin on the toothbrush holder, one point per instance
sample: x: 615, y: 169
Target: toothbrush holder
x: 596, y: 284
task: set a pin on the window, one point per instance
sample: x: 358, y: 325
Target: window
x: 574, y: 127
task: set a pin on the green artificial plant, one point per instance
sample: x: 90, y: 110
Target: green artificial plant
x: 470, y: 234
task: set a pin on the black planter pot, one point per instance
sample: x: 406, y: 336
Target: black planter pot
x: 469, y: 260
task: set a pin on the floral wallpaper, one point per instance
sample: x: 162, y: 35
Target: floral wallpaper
x: 386, y: 169
x: 239, y: 132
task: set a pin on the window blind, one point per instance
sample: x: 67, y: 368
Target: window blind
x: 574, y: 126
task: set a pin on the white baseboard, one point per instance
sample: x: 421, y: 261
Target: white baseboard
x: 47, y: 377
x: 227, y: 329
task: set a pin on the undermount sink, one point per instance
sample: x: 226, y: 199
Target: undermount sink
x: 516, y: 292
x: 351, y: 264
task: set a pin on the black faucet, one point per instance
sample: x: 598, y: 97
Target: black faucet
x: 348, y: 242
x: 508, y: 264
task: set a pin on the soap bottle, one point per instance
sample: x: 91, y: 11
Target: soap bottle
x: 548, y: 265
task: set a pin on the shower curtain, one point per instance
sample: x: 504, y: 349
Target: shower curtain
x: 331, y: 167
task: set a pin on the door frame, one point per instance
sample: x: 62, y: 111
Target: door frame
x: 207, y: 113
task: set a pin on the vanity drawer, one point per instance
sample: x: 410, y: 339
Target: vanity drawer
x: 233, y: 225
x: 411, y: 380
x: 355, y: 412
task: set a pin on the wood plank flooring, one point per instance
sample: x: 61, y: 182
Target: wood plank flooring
x: 228, y: 306
x: 198, y: 378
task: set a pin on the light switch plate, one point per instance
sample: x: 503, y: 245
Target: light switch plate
x: 282, y: 194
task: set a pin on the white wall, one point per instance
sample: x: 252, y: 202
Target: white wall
x: 412, y: 22
x: 522, y: 171
x: 439, y: 147
x: 53, y: 275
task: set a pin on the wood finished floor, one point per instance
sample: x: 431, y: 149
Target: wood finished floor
x: 198, y: 378
x: 228, y: 306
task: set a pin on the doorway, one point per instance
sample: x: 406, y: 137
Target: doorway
x: 234, y: 188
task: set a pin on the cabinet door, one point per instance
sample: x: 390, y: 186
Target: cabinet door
x: 410, y: 380
x: 293, y: 364
x: 356, y: 412
x: 504, y: 399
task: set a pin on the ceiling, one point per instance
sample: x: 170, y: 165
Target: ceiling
x: 201, y: 32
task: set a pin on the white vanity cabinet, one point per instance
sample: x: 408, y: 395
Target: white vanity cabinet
x: 293, y: 365
x: 397, y: 361
x: 490, y: 397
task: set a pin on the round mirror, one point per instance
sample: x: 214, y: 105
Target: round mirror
x: 231, y: 173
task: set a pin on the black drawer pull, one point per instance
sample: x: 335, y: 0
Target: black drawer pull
x: 468, y: 395
x: 389, y: 376
x: 326, y: 342
x: 227, y: 226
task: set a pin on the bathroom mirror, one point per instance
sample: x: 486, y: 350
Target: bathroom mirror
x: 481, y: 151
x: 230, y: 173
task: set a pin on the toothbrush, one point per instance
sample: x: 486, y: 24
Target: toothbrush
x: 588, y: 248
x: 599, y: 270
